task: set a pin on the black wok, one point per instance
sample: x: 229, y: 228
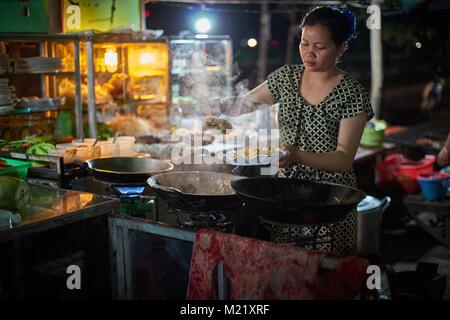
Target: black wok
x: 196, y: 191
x: 127, y: 170
x: 294, y: 201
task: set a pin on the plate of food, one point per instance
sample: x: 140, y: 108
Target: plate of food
x: 255, y: 156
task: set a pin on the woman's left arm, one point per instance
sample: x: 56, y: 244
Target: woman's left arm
x: 341, y: 160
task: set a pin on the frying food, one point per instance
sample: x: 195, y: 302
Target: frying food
x: 215, y: 123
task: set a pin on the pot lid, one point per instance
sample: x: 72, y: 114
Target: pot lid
x: 369, y: 203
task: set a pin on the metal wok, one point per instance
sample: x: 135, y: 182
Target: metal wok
x: 294, y: 201
x: 126, y: 170
x: 197, y: 191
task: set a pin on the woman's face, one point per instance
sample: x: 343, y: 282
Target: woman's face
x: 317, y: 50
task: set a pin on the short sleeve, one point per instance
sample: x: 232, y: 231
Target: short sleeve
x: 275, y: 80
x: 358, y: 102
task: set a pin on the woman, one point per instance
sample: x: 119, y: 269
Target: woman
x: 322, y: 111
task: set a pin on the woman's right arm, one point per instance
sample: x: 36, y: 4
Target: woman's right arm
x: 255, y: 99
x: 260, y: 94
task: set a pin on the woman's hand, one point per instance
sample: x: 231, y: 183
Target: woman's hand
x: 443, y: 157
x: 292, y: 155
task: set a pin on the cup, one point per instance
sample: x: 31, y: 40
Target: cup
x: 8, y: 219
x: 109, y: 149
x: 126, y: 145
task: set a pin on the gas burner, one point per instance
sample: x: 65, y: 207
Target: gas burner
x: 128, y: 191
x: 122, y: 189
x: 216, y: 220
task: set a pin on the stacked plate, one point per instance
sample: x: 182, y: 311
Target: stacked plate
x: 40, y: 104
x: 38, y: 65
x: 7, y: 96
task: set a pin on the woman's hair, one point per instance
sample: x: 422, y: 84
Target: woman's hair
x: 340, y: 23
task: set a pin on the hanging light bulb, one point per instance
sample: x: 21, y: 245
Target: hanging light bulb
x: 111, y: 60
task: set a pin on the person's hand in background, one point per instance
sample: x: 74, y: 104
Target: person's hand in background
x: 443, y: 158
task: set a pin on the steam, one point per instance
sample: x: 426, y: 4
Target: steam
x: 202, y: 87
x: 201, y: 74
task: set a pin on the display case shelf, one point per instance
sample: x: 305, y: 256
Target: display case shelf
x: 44, y: 84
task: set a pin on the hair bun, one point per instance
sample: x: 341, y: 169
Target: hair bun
x: 351, y: 19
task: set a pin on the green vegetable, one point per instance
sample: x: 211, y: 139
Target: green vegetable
x: 104, y: 131
x: 40, y: 149
x: 14, y: 193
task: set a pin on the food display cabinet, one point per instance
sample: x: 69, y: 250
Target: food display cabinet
x: 127, y: 82
x: 33, y: 69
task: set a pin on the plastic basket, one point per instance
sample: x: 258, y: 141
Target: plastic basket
x: 18, y: 168
x: 396, y: 170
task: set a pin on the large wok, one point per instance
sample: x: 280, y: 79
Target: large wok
x: 197, y: 191
x: 126, y: 170
x: 294, y: 201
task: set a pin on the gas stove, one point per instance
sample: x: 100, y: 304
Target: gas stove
x: 142, y: 202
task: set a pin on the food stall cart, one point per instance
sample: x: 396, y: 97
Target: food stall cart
x: 127, y: 81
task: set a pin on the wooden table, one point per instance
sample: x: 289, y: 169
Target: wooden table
x: 365, y: 154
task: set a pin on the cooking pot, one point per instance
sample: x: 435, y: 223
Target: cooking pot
x: 196, y: 191
x: 370, y: 214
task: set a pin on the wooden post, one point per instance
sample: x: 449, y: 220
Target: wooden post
x: 376, y: 58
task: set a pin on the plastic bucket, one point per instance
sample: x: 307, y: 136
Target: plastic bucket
x: 435, y: 185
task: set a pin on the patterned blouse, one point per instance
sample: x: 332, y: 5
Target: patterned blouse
x: 315, y: 128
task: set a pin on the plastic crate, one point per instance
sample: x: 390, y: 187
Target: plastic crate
x: 18, y: 168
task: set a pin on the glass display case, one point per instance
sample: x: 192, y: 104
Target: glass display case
x: 127, y: 82
x: 200, y: 69
x: 33, y: 71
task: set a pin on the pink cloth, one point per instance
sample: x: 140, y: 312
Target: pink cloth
x: 268, y: 271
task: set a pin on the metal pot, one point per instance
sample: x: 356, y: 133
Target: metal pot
x: 370, y: 214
